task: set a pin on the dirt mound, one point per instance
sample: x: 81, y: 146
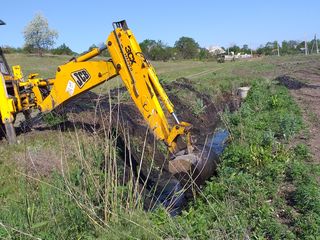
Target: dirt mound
x: 290, y: 82
x: 293, y: 83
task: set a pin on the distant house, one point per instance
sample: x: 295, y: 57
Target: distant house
x: 216, y: 50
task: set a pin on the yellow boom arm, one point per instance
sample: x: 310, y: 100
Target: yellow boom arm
x: 142, y: 83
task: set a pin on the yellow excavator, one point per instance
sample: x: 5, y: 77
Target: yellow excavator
x: 21, y: 95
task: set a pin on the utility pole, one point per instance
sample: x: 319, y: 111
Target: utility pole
x: 278, y: 49
x: 315, y: 38
x: 315, y: 43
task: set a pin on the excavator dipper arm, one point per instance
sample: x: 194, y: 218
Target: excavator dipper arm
x: 143, y: 85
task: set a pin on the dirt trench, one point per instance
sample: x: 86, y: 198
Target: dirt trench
x: 154, y: 170
x: 94, y: 117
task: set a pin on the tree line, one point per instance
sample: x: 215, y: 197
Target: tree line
x: 288, y: 47
x: 39, y: 38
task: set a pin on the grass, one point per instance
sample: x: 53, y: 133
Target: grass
x: 250, y: 197
x: 263, y: 188
x: 45, y: 66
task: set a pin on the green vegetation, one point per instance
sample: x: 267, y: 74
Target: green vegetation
x: 156, y: 50
x: 290, y: 47
x: 63, y: 49
x: 265, y: 188
x: 45, y: 66
x: 187, y: 48
x: 53, y: 118
x: 250, y: 196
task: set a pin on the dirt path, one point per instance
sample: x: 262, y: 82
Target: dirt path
x: 303, y: 81
x: 309, y: 102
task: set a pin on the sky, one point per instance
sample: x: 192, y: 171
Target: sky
x: 83, y: 23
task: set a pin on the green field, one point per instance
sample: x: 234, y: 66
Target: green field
x: 266, y: 187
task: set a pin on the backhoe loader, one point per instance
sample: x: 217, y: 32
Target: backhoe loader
x: 20, y: 95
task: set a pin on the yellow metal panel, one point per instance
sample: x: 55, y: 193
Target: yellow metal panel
x: 74, y: 78
x: 17, y: 73
x: 7, y: 108
x: 134, y: 73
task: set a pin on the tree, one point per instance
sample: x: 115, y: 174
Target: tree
x: 146, y: 47
x: 156, y: 50
x: 93, y: 46
x: 38, y: 35
x: 235, y: 49
x: 270, y: 48
x: 260, y: 50
x: 105, y: 53
x: 204, y: 54
x: 284, y: 47
x: 62, y: 50
x: 187, y: 47
x: 245, y: 49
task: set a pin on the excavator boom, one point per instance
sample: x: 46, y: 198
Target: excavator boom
x: 80, y: 75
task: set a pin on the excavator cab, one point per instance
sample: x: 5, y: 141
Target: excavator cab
x: 7, y: 103
x: 4, y: 68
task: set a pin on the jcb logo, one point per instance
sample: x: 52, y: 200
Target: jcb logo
x: 81, y: 77
x: 130, y: 55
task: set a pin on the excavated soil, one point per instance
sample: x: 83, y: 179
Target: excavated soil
x: 87, y: 109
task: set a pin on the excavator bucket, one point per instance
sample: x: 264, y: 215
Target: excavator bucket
x: 201, y: 164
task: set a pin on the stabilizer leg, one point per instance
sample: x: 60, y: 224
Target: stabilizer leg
x: 10, y: 133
